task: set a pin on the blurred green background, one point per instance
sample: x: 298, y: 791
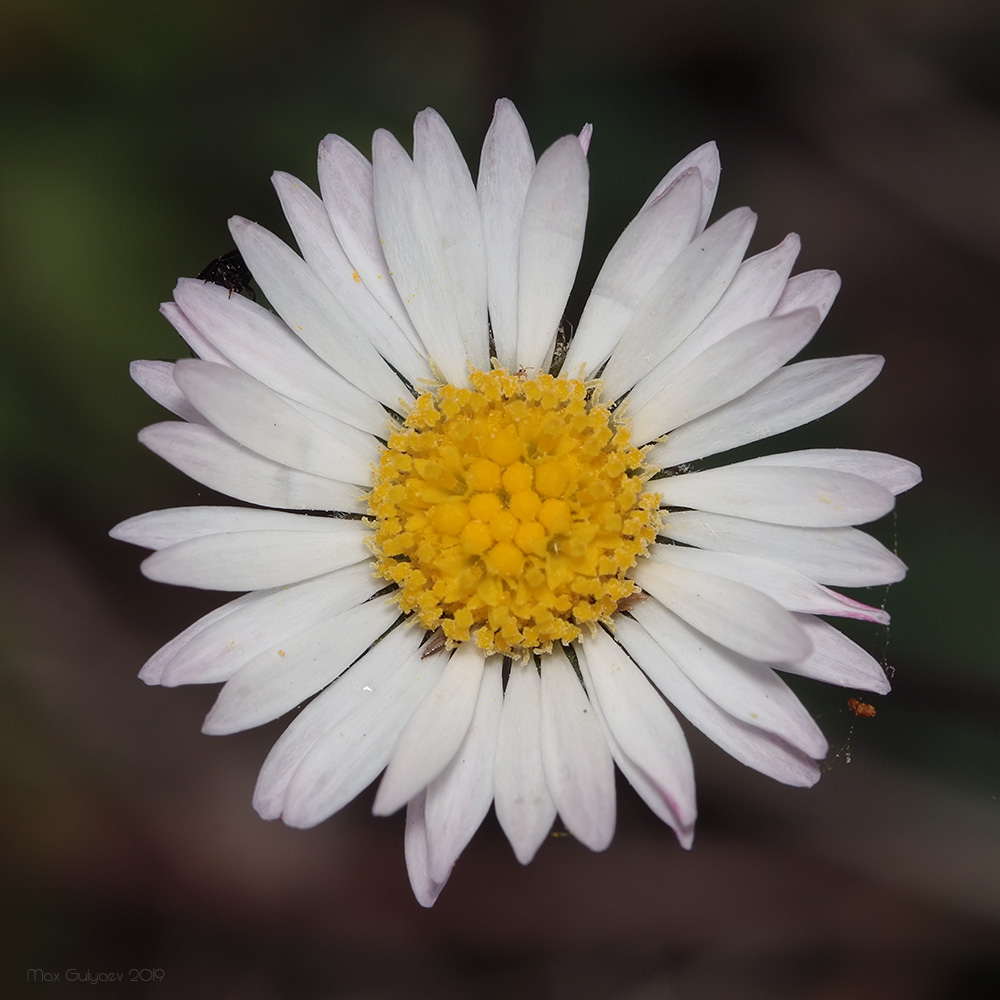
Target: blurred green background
x: 130, y: 133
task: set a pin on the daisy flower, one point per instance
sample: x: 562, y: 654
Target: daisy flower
x: 478, y: 550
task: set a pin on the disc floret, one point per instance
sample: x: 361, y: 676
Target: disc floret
x: 508, y: 512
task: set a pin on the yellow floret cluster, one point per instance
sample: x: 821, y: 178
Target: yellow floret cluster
x: 509, y: 512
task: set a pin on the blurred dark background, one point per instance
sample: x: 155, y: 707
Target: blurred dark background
x: 130, y: 133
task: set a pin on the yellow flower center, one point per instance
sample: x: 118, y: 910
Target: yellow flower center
x: 510, y: 512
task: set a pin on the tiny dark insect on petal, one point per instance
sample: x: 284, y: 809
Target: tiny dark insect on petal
x: 230, y: 271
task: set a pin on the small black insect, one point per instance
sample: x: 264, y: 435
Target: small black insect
x: 231, y: 272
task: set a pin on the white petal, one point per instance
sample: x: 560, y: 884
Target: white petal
x: 843, y: 557
x: 792, y: 396
x: 259, y: 419
x: 342, y: 739
x: 807, y: 497
x: 555, y: 216
x: 753, y: 293
x: 224, y: 643
x: 345, y: 181
x: 505, y: 169
x: 313, y: 232
x: 691, y: 287
x: 259, y: 343
x: 748, y: 743
x: 159, y: 528
x: 811, y: 288
x: 452, y: 196
x: 789, y: 588
x: 523, y: 804
x: 835, y: 659
x: 639, y: 259
x: 704, y: 159
x: 413, y: 244
x: 415, y: 849
x: 459, y: 798
x: 211, y: 458
x: 434, y: 731
x: 313, y: 313
x: 737, y: 616
x: 296, y: 667
x: 257, y: 560
x: 578, y: 766
x: 193, y: 336
x: 650, y: 740
x: 722, y: 372
x: 154, y: 668
x: 897, y: 475
x: 751, y: 296
x: 747, y: 690
x: 156, y: 379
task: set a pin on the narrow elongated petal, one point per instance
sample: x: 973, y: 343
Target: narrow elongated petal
x: 742, y: 687
x: 524, y: 806
x: 161, y: 528
x: 843, y: 557
x: 289, y: 671
x: 578, y: 766
x: 704, y: 159
x: 691, y: 287
x: 156, y: 379
x: 737, y: 616
x: 259, y: 419
x: 434, y: 732
x: 315, y: 314
x: 792, y: 396
x: 355, y: 723
x: 755, y: 291
x: 810, y: 289
x: 640, y: 258
x: 193, y: 335
x: 751, y: 296
x: 792, y: 590
x: 748, y: 743
x: 719, y: 374
x: 452, y: 195
x: 153, y: 669
x: 896, y: 475
x: 257, y: 342
x: 413, y: 244
x: 506, y: 166
x: 216, y: 461
x: 257, y: 560
x: 221, y: 646
x: 555, y: 215
x: 345, y: 182
x: 416, y: 849
x: 360, y: 696
x: 318, y: 244
x: 835, y: 659
x: 807, y: 497
x: 639, y: 723
x: 459, y: 798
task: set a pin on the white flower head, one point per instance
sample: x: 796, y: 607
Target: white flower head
x: 477, y: 548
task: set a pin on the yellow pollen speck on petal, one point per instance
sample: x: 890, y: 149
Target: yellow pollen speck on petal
x: 508, y: 513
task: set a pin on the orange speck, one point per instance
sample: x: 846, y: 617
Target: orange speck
x: 861, y: 708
